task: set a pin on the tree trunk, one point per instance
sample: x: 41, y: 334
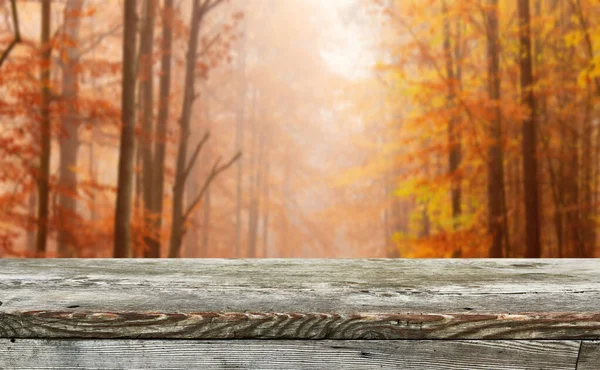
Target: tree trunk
x: 495, y: 164
x: 45, y: 134
x: 425, y: 231
x: 161, y: 124
x: 183, y: 168
x: 92, y: 176
x: 266, y: 250
x: 255, y: 198
x: 192, y: 237
x: 127, y: 145
x: 178, y: 221
x: 569, y: 181
x: 529, y: 140
x: 454, y: 148
x: 239, y: 144
x: 31, y: 204
x: 254, y: 181
x: 206, y: 225
x: 555, y: 181
x: 205, y: 228
x: 69, y: 139
x: 588, y: 225
x: 151, y: 244
x: 284, y: 240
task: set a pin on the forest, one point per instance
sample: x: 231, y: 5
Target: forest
x: 300, y: 128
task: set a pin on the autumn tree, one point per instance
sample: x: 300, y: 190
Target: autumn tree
x: 69, y: 138
x: 127, y: 145
x: 200, y: 9
x: 45, y: 133
x: 147, y: 111
x: 453, y: 136
x: 158, y: 181
x: 240, y: 114
x: 17, y: 32
x: 495, y: 165
x: 529, y: 140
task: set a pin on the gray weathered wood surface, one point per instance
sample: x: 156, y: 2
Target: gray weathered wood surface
x: 589, y: 356
x: 300, y: 299
x: 280, y: 354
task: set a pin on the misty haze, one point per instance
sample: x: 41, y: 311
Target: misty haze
x: 299, y: 128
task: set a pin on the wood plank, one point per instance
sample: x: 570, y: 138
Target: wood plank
x: 300, y: 299
x: 589, y: 356
x: 252, y: 354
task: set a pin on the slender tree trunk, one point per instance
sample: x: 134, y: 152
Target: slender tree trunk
x: 45, y: 134
x: 92, y: 176
x: 389, y: 218
x: 32, y: 202
x: 529, y: 140
x: 555, y: 188
x: 161, y: 124
x: 253, y: 180
x: 178, y: 221
x: 574, y: 229
x: 569, y: 182
x: 137, y: 243
x: 206, y: 214
x: 69, y: 139
x: 266, y: 188
x: 255, y: 198
x: 206, y: 224
x: 588, y: 225
x: 454, y: 146
x: 183, y: 168
x: 495, y: 154
x: 191, y: 238
x: 127, y: 145
x: 561, y: 183
x: 555, y: 181
x: 152, y: 246
x: 239, y: 144
x: 138, y: 248
x: 425, y: 231
x: 518, y: 206
x: 286, y: 207
x: 259, y: 180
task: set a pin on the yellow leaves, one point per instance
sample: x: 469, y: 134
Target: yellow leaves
x: 407, y: 188
x: 595, y: 67
x: 574, y: 38
x: 363, y: 174
x: 588, y: 76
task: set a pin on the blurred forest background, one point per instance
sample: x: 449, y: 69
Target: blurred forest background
x: 299, y: 128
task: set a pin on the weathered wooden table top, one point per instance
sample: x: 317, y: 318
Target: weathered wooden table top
x: 548, y: 309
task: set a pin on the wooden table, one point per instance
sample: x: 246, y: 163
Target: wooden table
x: 290, y: 314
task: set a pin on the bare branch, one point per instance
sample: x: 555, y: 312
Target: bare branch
x: 192, y: 161
x: 209, y: 45
x: 214, y: 172
x: 99, y: 38
x: 17, y: 39
x: 209, y: 5
x: 6, y: 52
x: 13, y: 6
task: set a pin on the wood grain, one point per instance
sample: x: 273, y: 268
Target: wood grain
x: 252, y: 354
x: 300, y: 299
x: 589, y: 356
